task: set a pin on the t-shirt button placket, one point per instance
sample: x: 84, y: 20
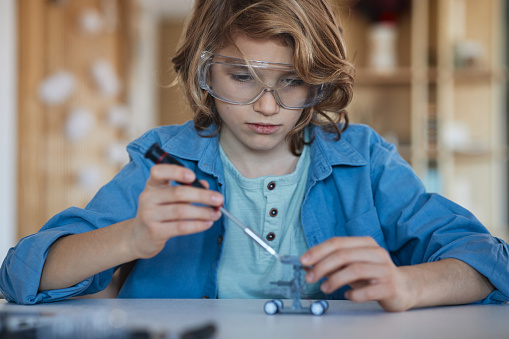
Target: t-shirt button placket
x: 270, y: 236
x: 273, y: 212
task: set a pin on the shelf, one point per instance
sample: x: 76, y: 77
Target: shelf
x: 404, y: 76
x: 429, y: 91
x: 481, y: 74
x: 367, y: 77
x: 469, y: 74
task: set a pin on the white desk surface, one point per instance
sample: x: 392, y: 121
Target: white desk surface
x: 245, y: 319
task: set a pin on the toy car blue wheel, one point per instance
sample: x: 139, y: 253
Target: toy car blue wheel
x: 279, y: 304
x: 270, y: 307
x: 317, y: 308
x: 325, y: 304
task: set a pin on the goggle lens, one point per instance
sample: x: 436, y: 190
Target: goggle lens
x: 233, y: 81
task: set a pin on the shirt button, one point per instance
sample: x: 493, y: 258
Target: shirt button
x: 273, y: 212
x: 220, y: 239
x: 271, y: 185
x: 271, y: 236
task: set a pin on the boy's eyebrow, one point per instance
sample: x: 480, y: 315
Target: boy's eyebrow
x: 258, y: 71
x: 254, y: 63
x: 238, y: 67
x: 257, y: 68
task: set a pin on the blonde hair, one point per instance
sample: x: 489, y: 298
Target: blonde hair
x: 309, y: 27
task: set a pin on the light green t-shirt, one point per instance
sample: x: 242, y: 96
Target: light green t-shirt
x: 269, y: 205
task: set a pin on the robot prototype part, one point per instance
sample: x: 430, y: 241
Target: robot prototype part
x: 292, y: 289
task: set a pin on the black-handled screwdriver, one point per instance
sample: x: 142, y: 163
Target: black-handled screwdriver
x: 157, y: 155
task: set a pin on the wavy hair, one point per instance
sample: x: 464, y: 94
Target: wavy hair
x: 309, y: 27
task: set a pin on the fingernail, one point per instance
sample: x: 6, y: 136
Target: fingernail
x: 305, y: 259
x: 188, y: 176
x: 325, y: 287
x: 309, y: 277
x: 216, y: 198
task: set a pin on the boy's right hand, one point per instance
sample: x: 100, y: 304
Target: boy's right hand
x: 165, y: 210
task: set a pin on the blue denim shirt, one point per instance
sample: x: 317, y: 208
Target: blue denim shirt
x: 357, y: 186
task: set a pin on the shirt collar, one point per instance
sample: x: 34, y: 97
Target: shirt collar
x: 203, y: 150
x: 333, y: 151
x: 325, y: 150
x: 186, y: 145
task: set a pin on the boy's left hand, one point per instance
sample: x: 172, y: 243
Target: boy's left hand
x: 361, y: 263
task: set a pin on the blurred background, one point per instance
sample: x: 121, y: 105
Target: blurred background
x: 79, y: 79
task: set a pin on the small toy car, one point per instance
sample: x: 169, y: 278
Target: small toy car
x: 292, y: 289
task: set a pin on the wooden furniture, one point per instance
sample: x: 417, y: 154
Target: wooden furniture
x: 49, y: 165
x: 443, y: 104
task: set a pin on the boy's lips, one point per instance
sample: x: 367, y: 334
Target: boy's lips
x: 263, y: 128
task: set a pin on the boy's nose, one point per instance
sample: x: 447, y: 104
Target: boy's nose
x: 267, y: 104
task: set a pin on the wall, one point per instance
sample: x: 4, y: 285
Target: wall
x: 8, y: 129
x: 73, y: 88
x: 173, y: 107
x: 144, y: 79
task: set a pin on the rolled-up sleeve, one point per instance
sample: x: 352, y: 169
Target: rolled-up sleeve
x: 117, y: 201
x: 21, y: 270
x: 422, y: 227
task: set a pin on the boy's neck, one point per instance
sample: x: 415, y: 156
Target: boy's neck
x: 252, y: 164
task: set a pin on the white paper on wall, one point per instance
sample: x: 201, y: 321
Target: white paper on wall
x: 90, y: 21
x: 119, y: 116
x: 79, y: 123
x: 116, y: 154
x: 57, y: 88
x: 89, y: 178
x: 105, y: 78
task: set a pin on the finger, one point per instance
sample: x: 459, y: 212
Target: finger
x: 162, y: 174
x: 372, y: 292
x: 185, y: 227
x: 318, y: 252
x: 205, y: 183
x: 180, y: 194
x: 346, y: 256
x: 361, y: 283
x: 358, y: 273
x: 160, y: 232
x: 175, y: 212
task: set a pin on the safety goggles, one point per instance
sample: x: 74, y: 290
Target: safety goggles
x: 236, y: 81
